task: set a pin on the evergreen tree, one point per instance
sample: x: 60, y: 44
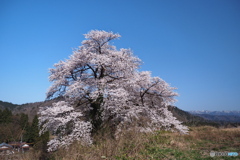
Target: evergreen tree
x: 1, y: 119
x: 23, y: 120
x: 42, y: 145
x: 6, y: 116
x: 33, y: 135
x: 25, y: 127
x: 27, y: 133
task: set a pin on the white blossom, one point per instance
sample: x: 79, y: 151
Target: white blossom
x: 61, y: 119
x: 101, y: 83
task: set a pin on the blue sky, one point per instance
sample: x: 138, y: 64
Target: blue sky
x: 192, y: 44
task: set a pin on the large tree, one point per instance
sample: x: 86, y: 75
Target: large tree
x: 102, y: 85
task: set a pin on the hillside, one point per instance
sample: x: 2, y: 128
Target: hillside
x: 31, y: 110
x: 190, y: 119
x: 8, y: 105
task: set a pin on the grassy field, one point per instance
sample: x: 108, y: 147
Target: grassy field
x: 162, y: 145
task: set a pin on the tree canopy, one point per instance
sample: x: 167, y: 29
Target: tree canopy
x: 102, y: 85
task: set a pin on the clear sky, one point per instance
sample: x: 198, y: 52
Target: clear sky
x: 192, y: 44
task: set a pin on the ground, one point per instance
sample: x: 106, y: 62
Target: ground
x: 162, y: 145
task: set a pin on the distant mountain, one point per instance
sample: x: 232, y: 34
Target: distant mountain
x: 219, y: 116
x: 236, y: 113
x: 190, y: 119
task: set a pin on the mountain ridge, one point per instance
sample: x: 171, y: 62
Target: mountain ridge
x: 223, y: 112
x: 219, y: 116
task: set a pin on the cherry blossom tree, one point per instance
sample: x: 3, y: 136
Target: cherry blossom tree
x: 102, y: 85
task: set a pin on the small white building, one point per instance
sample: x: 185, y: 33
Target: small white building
x: 25, y: 147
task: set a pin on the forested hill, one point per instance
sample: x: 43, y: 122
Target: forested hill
x: 31, y: 110
x: 8, y: 105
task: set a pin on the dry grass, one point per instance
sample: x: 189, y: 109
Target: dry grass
x: 216, y: 139
x: 30, y: 155
x: 160, y: 145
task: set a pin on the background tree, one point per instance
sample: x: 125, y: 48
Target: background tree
x: 1, y: 117
x: 102, y: 85
x: 6, y: 116
x: 9, y: 126
x: 23, y: 120
x: 25, y: 126
x: 33, y: 135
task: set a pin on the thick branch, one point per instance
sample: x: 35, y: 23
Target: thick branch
x: 94, y: 72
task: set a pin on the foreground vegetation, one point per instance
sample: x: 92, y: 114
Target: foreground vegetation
x: 160, y: 145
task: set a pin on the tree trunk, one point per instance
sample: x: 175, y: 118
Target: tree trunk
x: 95, y: 114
